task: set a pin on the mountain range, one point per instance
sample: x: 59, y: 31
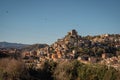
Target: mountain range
x: 12, y: 45
x: 21, y: 46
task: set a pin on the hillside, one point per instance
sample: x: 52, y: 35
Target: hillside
x: 34, y: 47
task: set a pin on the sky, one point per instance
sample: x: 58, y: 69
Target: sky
x: 45, y: 21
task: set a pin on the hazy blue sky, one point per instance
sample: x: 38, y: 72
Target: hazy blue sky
x: 44, y: 21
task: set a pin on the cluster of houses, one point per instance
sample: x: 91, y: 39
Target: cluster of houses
x: 107, y: 38
x: 66, y: 48
x: 5, y: 50
x: 112, y: 62
x: 57, y: 51
x: 9, y: 52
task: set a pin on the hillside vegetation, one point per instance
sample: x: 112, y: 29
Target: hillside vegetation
x: 11, y: 69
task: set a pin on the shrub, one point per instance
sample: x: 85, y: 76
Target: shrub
x: 66, y: 70
x: 12, y: 69
x: 45, y: 72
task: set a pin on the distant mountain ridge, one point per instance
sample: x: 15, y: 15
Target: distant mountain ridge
x: 12, y: 45
x: 21, y: 46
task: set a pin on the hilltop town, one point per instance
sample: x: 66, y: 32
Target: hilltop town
x: 102, y: 49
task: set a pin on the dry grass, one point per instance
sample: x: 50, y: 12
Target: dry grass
x: 11, y: 68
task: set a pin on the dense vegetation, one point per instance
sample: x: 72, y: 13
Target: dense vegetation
x: 11, y: 69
